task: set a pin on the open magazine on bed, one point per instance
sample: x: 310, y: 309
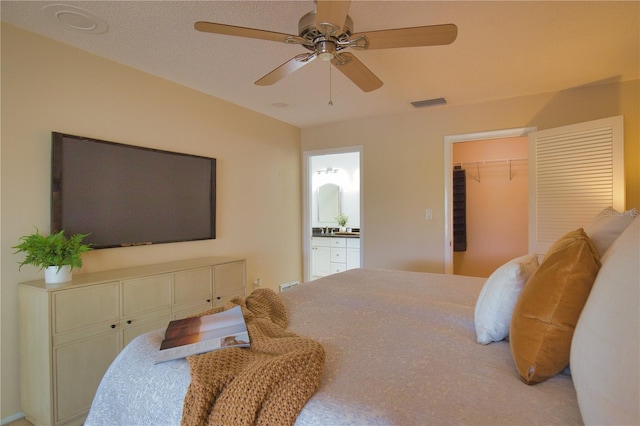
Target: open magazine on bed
x: 196, y: 335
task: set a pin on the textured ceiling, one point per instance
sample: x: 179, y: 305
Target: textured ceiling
x: 504, y: 49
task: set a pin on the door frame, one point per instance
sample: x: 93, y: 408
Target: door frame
x: 307, y: 201
x: 448, y: 183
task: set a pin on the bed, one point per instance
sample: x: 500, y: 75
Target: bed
x: 402, y: 349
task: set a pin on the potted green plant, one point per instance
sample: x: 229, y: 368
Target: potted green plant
x: 56, y: 254
x: 342, y: 220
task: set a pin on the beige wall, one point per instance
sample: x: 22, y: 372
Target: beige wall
x: 497, y: 204
x: 47, y: 86
x: 402, y: 161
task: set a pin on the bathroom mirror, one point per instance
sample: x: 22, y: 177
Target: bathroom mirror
x: 328, y: 203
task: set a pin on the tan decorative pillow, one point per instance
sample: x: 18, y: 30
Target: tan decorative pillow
x: 549, y: 306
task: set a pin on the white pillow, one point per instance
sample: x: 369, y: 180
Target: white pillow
x: 499, y: 296
x: 605, y: 359
x: 607, y: 226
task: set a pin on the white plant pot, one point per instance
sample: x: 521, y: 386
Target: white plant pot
x: 52, y: 275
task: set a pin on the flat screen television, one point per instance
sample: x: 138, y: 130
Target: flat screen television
x: 123, y: 195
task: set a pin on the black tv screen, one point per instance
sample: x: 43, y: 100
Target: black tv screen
x: 123, y: 195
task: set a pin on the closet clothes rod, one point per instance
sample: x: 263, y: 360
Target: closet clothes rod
x: 475, y: 163
x: 482, y: 162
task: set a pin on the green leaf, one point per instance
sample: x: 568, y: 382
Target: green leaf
x: 52, y: 250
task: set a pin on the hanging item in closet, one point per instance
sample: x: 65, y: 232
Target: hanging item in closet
x: 459, y: 209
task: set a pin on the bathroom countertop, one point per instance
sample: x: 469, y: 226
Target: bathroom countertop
x: 337, y: 235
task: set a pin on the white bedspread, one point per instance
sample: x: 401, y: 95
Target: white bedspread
x: 401, y: 350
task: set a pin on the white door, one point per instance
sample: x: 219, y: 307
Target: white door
x: 575, y: 172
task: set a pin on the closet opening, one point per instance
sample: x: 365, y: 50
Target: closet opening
x: 486, y: 200
x: 490, y: 204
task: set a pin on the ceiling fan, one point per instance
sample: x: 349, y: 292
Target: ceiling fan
x: 327, y: 31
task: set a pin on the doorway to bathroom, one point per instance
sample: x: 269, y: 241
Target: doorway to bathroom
x: 332, y: 198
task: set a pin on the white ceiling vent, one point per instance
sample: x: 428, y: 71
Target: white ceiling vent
x: 75, y: 18
x: 429, y: 102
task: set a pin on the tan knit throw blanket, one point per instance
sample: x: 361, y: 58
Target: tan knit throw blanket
x: 266, y: 384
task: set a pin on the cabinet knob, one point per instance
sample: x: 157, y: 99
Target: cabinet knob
x: 218, y: 297
x: 129, y: 322
x: 113, y: 326
x: 208, y: 300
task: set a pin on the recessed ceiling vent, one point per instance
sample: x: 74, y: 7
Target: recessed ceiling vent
x: 75, y: 18
x: 429, y: 102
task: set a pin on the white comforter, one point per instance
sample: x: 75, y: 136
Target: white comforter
x: 401, y: 350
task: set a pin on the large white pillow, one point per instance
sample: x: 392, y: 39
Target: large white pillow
x: 607, y: 226
x: 498, y: 297
x: 605, y: 359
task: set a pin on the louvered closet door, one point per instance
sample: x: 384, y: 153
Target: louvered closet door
x: 574, y: 173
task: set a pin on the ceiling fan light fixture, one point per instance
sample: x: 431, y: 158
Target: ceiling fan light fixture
x: 326, y: 56
x: 326, y: 50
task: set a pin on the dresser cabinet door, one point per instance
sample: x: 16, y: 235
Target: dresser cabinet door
x: 192, y: 291
x: 228, y: 281
x: 146, y: 294
x: 86, y: 338
x: 132, y: 328
x: 78, y: 368
x: 146, y: 305
x: 84, y: 308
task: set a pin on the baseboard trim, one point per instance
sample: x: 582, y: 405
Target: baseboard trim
x: 12, y: 418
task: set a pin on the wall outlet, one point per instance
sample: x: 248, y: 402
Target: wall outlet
x: 428, y: 214
x: 257, y: 282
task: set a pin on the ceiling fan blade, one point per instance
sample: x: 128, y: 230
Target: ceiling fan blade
x: 331, y: 12
x: 285, y: 69
x: 211, y: 27
x: 432, y: 35
x: 357, y: 72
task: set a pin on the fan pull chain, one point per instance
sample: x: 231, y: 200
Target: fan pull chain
x: 330, y: 100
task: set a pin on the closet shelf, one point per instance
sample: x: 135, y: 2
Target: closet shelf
x: 509, y: 161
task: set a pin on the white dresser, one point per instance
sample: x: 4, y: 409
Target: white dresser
x: 71, y: 332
